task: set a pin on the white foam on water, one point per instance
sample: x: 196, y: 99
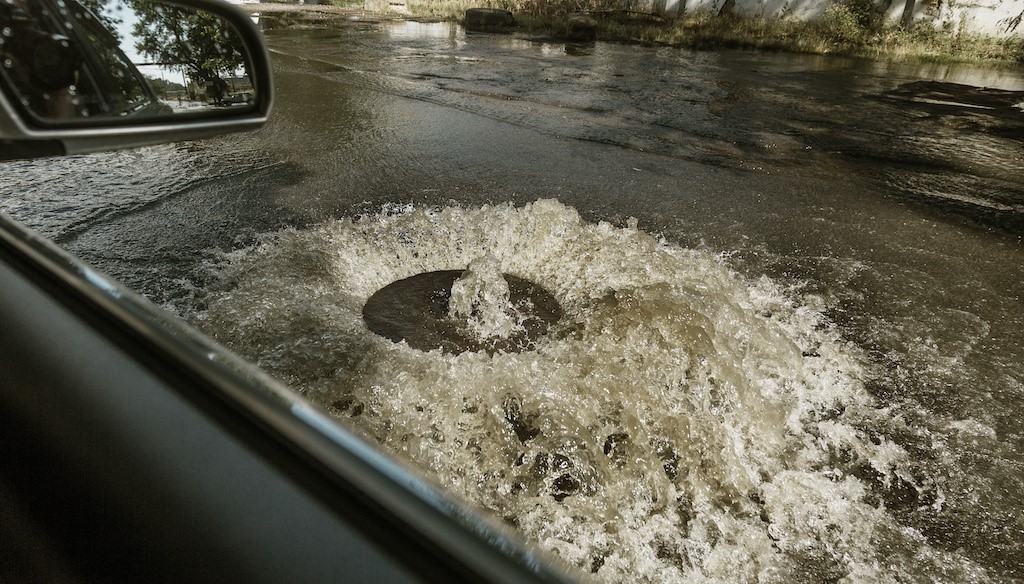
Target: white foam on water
x: 681, y: 423
x: 481, y: 298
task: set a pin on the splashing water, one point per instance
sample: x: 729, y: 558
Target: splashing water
x: 678, y: 423
x: 462, y: 310
x: 482, y: 298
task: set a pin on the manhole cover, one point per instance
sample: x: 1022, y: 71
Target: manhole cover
x: 416, y: 310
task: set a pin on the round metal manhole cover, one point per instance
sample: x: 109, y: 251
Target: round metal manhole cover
x: 416, y: 310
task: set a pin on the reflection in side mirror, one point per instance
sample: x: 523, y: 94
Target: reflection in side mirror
x: 87, y: 62
x: 88, y: 75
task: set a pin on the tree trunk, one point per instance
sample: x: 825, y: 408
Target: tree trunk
x: 908, y: 15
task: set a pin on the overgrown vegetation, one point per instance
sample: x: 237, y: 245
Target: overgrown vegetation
x: 850, y: 27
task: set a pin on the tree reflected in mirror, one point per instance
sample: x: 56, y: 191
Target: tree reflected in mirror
x: 196, y: 44
x: 76, y: 61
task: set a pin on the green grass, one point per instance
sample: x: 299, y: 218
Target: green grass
x: 847, y: 29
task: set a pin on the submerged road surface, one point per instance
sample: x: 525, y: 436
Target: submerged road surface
x: 791, y: 345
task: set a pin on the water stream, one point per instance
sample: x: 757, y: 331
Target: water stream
x: 783, y: 336
x: 679, y: 421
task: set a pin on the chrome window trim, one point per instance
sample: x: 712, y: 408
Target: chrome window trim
x: 387, y: 502
x: 478, y: 547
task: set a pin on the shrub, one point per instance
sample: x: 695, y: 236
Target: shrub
x: 849, y: 21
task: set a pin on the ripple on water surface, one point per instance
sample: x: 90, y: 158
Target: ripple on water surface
x: 678, y: 422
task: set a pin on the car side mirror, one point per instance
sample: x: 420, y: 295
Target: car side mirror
x: 86, y: 75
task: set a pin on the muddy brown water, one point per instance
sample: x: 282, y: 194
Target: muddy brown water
x: 793, y: 341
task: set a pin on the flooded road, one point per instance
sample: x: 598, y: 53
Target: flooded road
x: 792, y: 346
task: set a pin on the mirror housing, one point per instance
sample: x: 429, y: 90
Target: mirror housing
x: 67, y: 85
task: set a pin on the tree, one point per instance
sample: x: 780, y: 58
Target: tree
x: 163, y: 87
x: 907, y: 20
x: 99, y: 9
x: 200, y: 45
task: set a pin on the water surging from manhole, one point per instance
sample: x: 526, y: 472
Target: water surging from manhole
x: 679, y: 423
x: 476, y: 309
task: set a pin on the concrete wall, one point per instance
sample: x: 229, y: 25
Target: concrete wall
x: 1002, y: 18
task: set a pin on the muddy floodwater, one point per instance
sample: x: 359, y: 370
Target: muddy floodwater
x: 785, y: 334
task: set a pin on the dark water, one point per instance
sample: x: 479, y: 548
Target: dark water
x: 877, y: 227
